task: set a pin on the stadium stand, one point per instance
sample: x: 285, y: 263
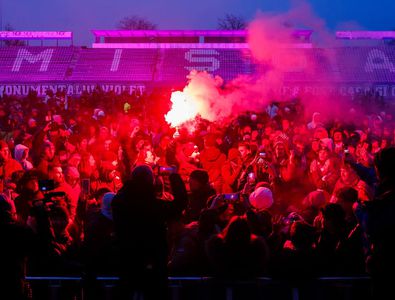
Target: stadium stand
x: 53, y: 64
x: 115, y: 65
x: 34, y: 64
x: 157, y: 58
x: 227, y: 63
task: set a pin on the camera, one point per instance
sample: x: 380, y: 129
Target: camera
x: 251, y: 177
x: 162, y: 170
x: 46, y: 204
x: 46, y: 185
x: 85, y: 186
x: 231, y: 197
x: 261, y: 160
x: 291, y: 218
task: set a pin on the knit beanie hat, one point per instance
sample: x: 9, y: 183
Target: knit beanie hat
x: 261, y: 198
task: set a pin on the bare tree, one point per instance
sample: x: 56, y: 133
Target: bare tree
x: 136, y: 23
x: 231, y: 22
x: 8, y: 27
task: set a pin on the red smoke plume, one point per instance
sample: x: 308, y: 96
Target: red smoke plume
x: 278, y: 55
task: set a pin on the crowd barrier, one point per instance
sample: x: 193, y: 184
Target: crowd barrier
x: 195, y: 288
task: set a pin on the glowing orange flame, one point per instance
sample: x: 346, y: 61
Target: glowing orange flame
x: 183, y: 109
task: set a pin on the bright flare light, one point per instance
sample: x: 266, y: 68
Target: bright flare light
x: 182, y: 110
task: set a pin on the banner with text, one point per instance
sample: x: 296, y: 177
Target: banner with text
x: 288, y: 90
x: 75, y: 89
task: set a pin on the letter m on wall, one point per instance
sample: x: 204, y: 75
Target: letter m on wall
x: 44, y: 57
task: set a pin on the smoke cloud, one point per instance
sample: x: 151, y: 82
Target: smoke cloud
x: 279, y: 59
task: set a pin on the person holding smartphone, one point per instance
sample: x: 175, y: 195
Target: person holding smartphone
x: 140, y: 221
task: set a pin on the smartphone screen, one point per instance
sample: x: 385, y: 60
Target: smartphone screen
x: 46, y: 185
x: 86, y: 185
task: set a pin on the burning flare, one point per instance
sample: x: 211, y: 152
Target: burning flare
x: 183, y: 109
x: 200, y: 97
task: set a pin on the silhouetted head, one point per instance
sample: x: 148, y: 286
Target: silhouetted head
x: 143, y: 177
x: 384, y: 162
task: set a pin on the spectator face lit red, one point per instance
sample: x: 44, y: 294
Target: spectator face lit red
x: 91, y: 161
x: 4, y: 153
x: 268, y: 130
x: 84, y: 144
x: 299, y: 147
x: 32, y: 185
x: 57, y: 174
x: 315, y: 145
x: 280, y: 151
x: 244, y: 152
x: 107, y: 145
x: 323, y: 154
x: 337, y: 137
x: 49, y: 151
x: 346, y: 173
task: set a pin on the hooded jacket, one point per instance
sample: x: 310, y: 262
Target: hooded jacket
x: 18, y: 154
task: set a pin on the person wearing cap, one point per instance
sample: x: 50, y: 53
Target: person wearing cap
x: 349, y: 178
x: 261, y: 199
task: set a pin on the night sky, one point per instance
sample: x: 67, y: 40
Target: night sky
x: 80, y: 16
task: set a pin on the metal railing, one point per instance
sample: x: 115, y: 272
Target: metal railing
x: 323, y: 288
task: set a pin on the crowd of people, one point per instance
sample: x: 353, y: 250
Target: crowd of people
x: 100, y: 185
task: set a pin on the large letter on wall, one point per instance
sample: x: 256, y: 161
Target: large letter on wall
x: 45, y: 56
x: 377, y: 60
x: 202, y: 56
x: 116, y: 60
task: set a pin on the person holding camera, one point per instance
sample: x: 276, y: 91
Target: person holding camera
x: 246, y: 162
x: 140, y: 220
x: 200, y: 190
x: 236, y: 252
